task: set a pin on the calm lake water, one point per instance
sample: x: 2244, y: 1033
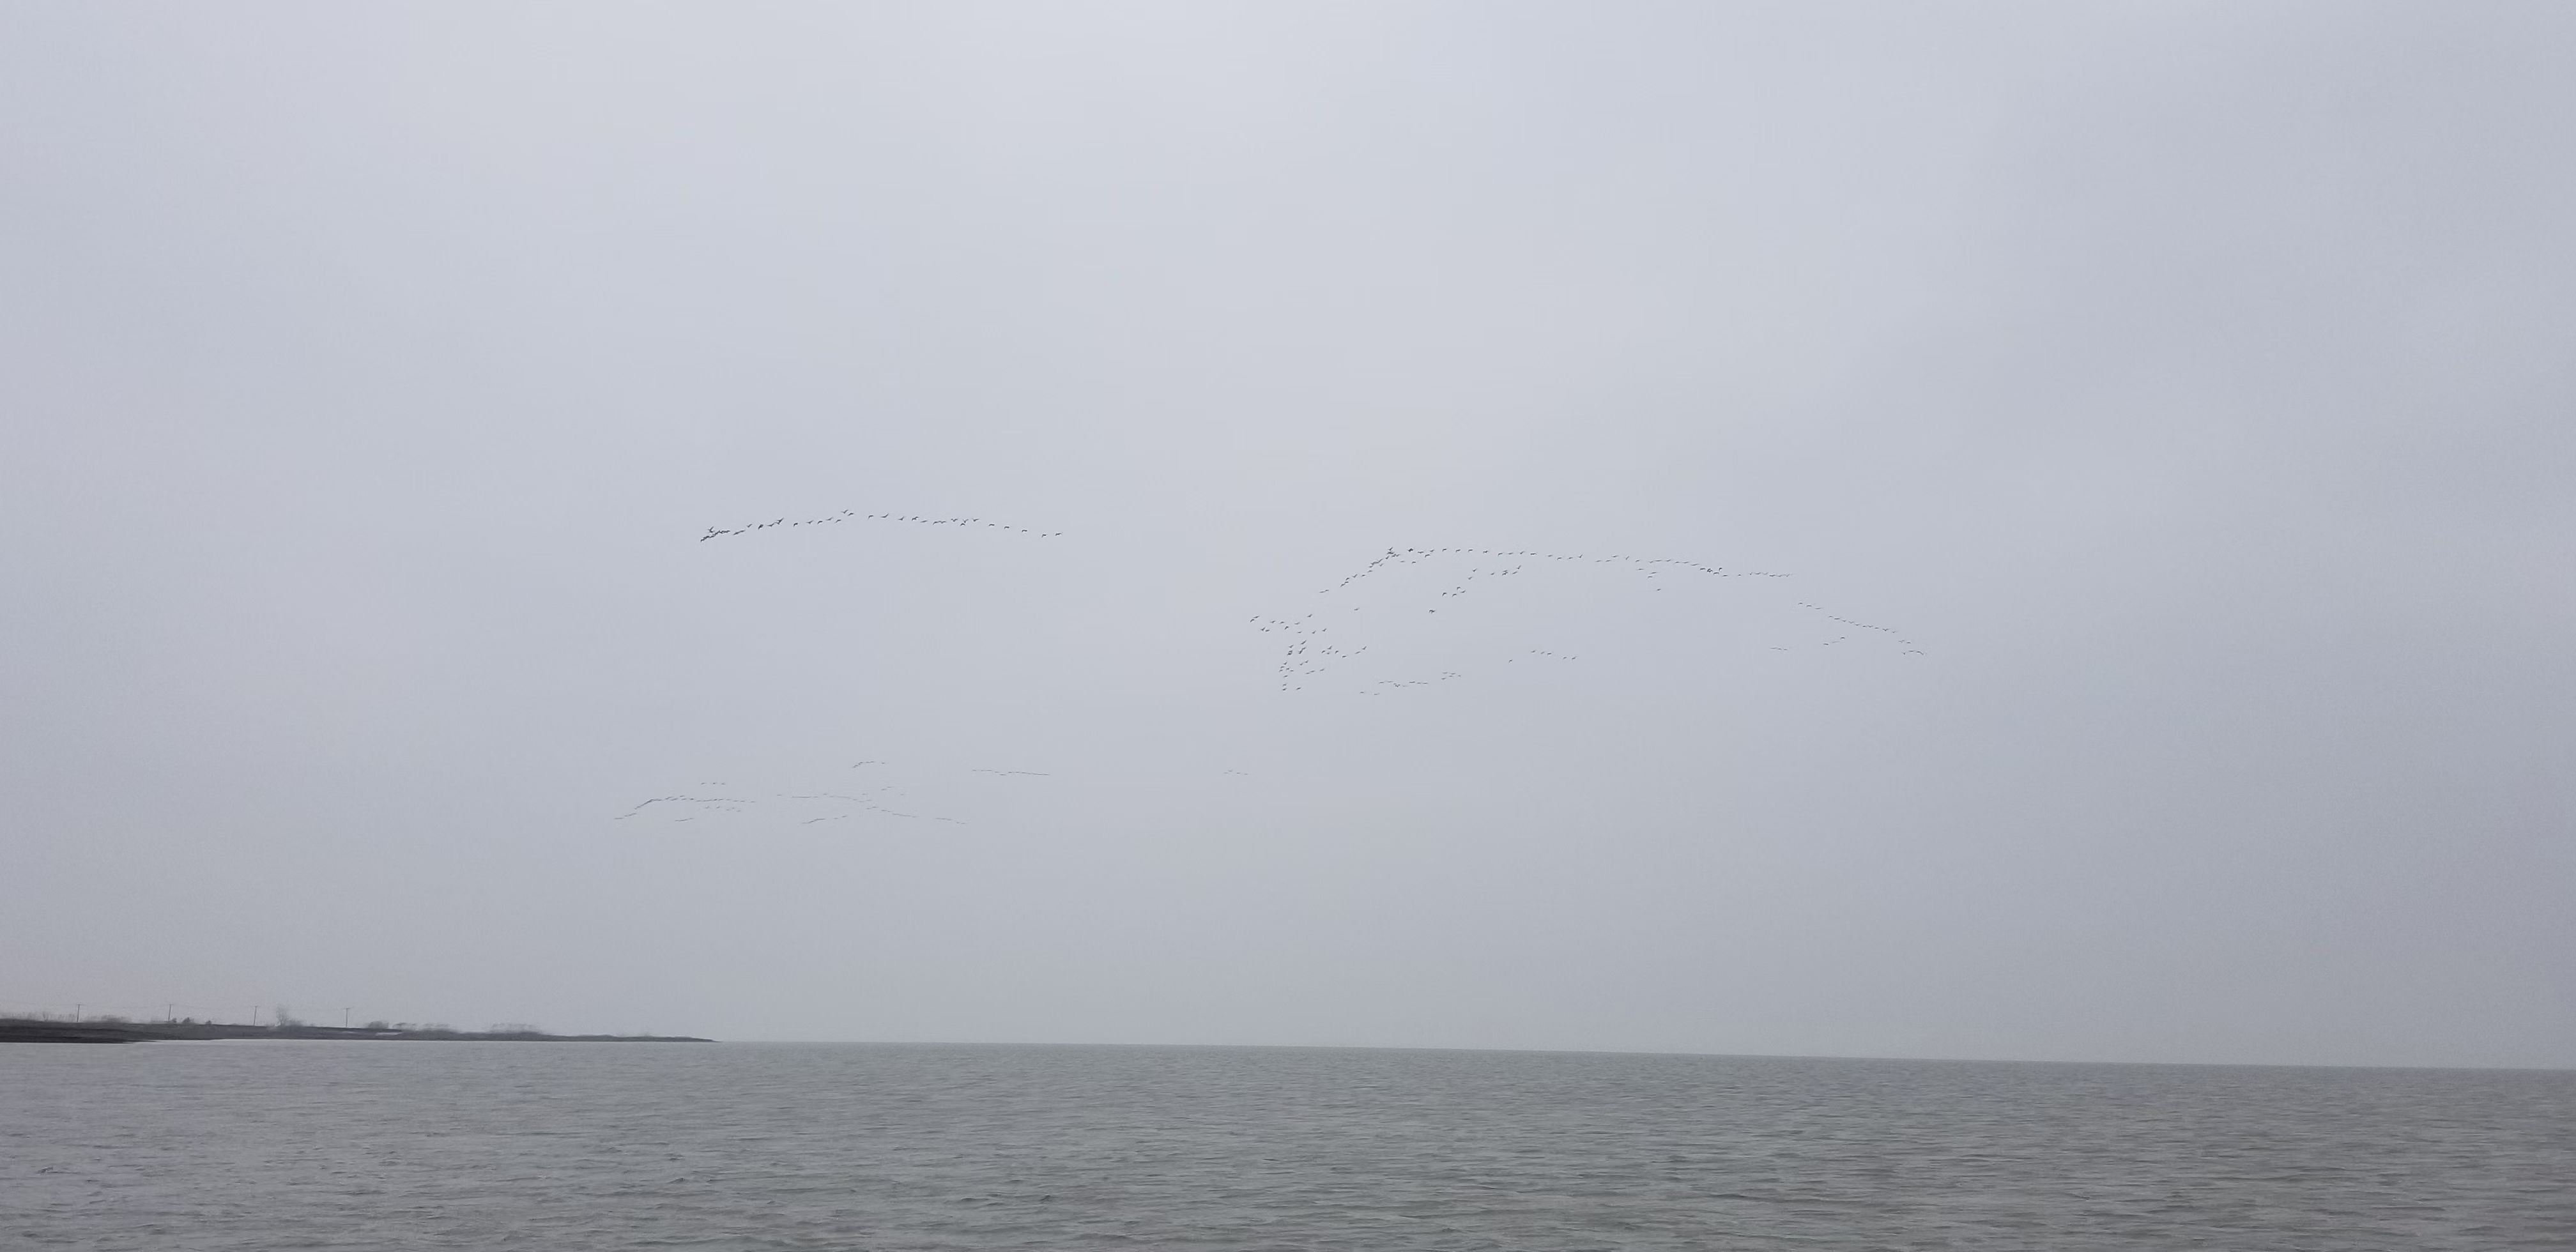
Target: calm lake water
x: 617, y: 1146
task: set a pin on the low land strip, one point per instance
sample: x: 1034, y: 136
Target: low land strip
x: 94, y: 1030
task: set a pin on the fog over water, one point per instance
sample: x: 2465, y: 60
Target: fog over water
x: 2161, y: 415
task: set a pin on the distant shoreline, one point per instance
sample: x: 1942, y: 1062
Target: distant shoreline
x: 35, y: 1030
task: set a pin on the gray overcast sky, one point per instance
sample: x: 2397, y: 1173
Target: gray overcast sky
x: 2187, y: 383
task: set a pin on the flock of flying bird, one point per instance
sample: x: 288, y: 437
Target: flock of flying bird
x: 870, y: 799
x: 1306, y: 655
x: 850, y: 801
x: 853, y: 515
x: 1416, y: 556
x: 851, y: 804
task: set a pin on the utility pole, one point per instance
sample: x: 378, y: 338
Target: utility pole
x: 344, y: 1017
x: 76, y: 1010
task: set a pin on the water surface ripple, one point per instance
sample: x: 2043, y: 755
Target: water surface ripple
x: 615, y: 1146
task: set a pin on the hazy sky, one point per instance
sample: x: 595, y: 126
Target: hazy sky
x: 2188, y: 384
